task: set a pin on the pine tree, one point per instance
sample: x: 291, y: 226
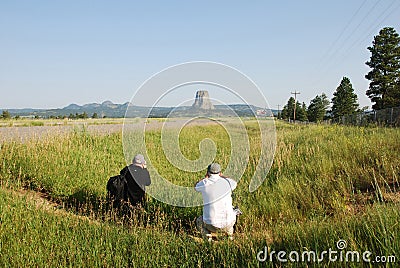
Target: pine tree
x: 384, y: 88
x: 344, y: 101
x: 5, y: 114
x: 301, y: 112
x: 317, y: 108
x: 287, y: 112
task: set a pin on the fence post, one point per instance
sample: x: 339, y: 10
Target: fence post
x: 391, y: 116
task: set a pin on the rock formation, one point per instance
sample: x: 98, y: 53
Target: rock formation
x: 202, y: 101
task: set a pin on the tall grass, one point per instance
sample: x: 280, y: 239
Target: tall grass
x: 62, y: 164
x: 326, y: 183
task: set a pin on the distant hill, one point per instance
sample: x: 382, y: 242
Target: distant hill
x: 110, y: 109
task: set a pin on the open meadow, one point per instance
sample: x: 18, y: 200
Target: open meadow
x: 327, y: 183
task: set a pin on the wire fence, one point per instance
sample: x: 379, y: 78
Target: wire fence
x: 389, y: 117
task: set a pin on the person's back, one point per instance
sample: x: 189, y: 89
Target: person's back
x: 218, y: 214
x: 137, y: 178
x: 217, y: 200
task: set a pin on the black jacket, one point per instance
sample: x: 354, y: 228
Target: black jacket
x: 137, y: 179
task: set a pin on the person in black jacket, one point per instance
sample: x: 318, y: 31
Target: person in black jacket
x: 137, y: 177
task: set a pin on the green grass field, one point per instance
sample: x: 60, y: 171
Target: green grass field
x: 327, y: 183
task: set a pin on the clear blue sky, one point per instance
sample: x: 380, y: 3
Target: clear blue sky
x: 53, y: 53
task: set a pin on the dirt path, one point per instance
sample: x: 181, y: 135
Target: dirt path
x: 41, y: 201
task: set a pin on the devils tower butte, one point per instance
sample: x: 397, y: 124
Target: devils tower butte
x: 202, y: 101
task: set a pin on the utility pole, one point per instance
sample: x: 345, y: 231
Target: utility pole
x: 295, y: 93
x: 278, y: 111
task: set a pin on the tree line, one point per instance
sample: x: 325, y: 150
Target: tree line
x: 383, y: 91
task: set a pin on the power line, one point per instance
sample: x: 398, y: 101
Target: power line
x: 334, y: 59
x: 343, y: 30
x: 326, y: 59
x: 295, y: 93
x: 278, y: 111
x: 355, y: 29
x: 364, y: 36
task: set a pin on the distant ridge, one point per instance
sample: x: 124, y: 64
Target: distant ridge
x: 73, y: 106
x: 110, y: 109
x: 107, y: 103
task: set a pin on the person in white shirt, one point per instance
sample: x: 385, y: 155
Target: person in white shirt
x: 218, y: 213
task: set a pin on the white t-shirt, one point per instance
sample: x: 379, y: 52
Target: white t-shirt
x: 217, y: 200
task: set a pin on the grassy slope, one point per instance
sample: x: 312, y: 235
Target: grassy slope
x: 327, y: 183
